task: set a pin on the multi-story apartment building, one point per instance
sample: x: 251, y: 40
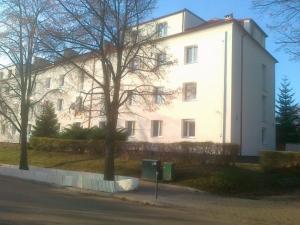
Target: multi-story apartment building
x: 226, y: 75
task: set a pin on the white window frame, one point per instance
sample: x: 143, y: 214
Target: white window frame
x: 158, y: 132
x: 186, y: 133
x: 194, y: 54
x: 131, y: 124
x: 185, y: 91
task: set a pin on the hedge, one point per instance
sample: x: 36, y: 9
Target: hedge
x: 205, y: 153
x: 65, y: 145
x: 276, y: 160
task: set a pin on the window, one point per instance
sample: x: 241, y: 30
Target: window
x: 3, y: 129
x: 102, y: 124
x: 264, y: 108
x: 59, y: 104
x: 263, y: 135
x: 130, y: 126
x: 158, y: 98
x: 13, y: 130
x: 81, y: 81
x: 161, y: 59
x: 130, y: 97
x: 134, y: 64
x: 188, y: 128
x: 29, y: 129
x: 9, y: 73
x: 1, y: 75
x: 156, y: 128
x: 6, y: 90
x: 191, y: 54
x: 134, y: 36
x: 77, y: 124
x: 264, y: 77
x: 162, y: 29
x: 61, y: 81
x: 48, y: 82
x: 189, y: 91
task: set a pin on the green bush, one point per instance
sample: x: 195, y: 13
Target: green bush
x: 66, y: 145
x: 278, y: 160
x: 200, y: 153
x: 76, y: 132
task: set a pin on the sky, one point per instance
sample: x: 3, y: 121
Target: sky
x: 209, y: 9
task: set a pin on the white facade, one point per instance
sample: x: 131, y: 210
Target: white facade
x: 226, y: 80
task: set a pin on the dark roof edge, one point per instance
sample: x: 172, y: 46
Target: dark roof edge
x: 253, y: 21
x: 259, y: 45
x: 194, y: 14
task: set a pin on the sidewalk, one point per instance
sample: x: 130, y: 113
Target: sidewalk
x: 167, y: 195
x: 281, y: 210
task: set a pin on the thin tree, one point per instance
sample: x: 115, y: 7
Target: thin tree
x: 129, y: 62
x: 287, y: 118
x: 19, y: 30
x: 47, y: 122
x: 285, y: 15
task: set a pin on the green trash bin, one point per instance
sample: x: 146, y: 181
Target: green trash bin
x: 168, y: 171
x: 149, y: 169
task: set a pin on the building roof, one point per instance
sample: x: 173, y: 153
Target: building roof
x: 218, y: 22
x: 171, y: 14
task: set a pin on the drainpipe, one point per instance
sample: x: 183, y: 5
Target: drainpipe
x: 225, y: 90
x: 242, y: 93
x: 92, y: 95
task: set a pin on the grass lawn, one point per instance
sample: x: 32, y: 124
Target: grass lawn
x: 247, y: 180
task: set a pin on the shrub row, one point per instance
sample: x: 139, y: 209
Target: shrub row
x: 200, y: 152
x: 7, y: 146
x: 276, y: 160
x: 65, y: 145
x: 204, y: 153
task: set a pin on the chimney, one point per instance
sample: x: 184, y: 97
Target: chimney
x: 40, y: 62
x: 229, y: 16
x: 68, y: 52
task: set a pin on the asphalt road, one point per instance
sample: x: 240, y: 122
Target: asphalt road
x: 29, y: 203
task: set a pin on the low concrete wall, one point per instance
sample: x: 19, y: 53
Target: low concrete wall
x: 83, y: 180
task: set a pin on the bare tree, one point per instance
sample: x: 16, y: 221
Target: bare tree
x: 19, y: 31
x: 286, y: 17
x: 129, y: 59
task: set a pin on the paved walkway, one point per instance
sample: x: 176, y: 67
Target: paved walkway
x: 284, y: 210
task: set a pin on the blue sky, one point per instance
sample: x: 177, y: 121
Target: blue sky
x: 208, y: 9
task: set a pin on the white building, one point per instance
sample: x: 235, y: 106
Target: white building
x: 226, y: 75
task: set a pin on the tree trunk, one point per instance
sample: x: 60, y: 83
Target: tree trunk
x: 110, y: 142
x: 109, y: 166
x: 24, y: 124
